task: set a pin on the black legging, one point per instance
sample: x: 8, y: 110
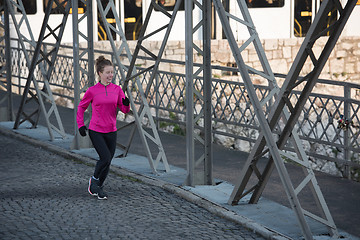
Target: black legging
x: 105, y: 145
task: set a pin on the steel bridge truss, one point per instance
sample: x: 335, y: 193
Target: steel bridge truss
x: 84, y: 74
x: 199, y: 170
x: 266, y: 143
x: 285, y: 110
x: 127, y: 74
x: 45, y: 64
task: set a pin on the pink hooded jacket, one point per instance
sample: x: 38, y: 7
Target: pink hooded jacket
x: 104, y: 101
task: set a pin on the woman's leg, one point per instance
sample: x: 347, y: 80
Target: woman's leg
x: 100, y: 143
x: 110, y: 139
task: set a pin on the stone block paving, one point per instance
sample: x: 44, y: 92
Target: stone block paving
x: 44, y: 196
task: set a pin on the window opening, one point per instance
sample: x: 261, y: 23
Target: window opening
x: 302, y: 17
x: 56, y: 8
x: 110, y: 19
x: 331, y: 18
x: 226, y: 4
x: 30, y: 6
x: 133, y: 19
x: 264, y: 3
x: 169, y: 5
x: 213, y: 21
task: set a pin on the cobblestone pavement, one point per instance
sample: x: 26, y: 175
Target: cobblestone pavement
x: 44, y: 196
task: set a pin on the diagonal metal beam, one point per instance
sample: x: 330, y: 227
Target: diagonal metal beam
x: 150, y: 136
x: 291, y: 81
x: 46, y: 66
x: 152, y: 70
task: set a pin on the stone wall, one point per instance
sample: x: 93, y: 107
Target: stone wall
x: 343, y: 64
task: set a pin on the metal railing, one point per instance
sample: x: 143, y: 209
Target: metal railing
x: 328, y: 126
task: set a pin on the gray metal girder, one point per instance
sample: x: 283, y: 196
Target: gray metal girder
x: 199, y: 170
x: 81, y: 72
x: 46, y: 65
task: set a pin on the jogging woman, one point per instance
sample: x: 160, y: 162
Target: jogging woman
x: 105, y: 97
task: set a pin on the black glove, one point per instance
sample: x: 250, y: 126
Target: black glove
x: 82, y: 131
x: 126, y: 101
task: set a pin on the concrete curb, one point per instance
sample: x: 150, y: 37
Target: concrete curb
x: 178, y: 190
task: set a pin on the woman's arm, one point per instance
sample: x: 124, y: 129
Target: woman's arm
x: 123, y: 102
x: 83, y: 105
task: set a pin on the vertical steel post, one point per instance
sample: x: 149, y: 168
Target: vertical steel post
x: 157, y: 100
x: 347, y: 142
x: 190, y: 151
x: 18, y: 63
x: 78, y: 55
x: 90, y: 41
x: 199, y: 162
x: 76, y: 68
x: 207, y: 91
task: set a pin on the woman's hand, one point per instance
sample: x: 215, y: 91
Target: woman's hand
x: 82, y: 131
x: 126, y: 101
